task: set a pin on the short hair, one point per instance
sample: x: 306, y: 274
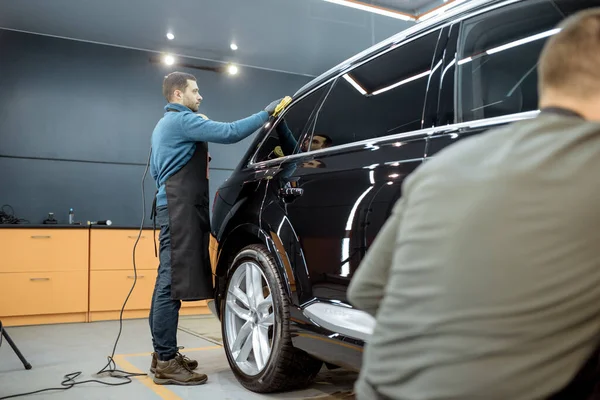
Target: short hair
x: 570, y: 60
x: 327, y: 140
x: 176, y: 81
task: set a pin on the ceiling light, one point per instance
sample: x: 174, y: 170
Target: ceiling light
x: 169, y: 60
x: 373, y: 9
x: 232, y: 69
x: 170, y: 36
x: 233, y: 46
x: 440, y: 10
x: 394, y: 176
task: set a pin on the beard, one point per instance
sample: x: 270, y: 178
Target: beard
x: 192, y: 105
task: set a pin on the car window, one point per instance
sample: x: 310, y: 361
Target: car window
x: 282, y: 140
x: 569, y: 7
x: 498, y: 56
x: 382, y: 97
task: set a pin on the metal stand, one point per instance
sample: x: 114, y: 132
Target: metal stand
x: 14, y: 347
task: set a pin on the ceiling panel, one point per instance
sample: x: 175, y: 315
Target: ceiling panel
x: 299, y: 36
x: 407, y: 6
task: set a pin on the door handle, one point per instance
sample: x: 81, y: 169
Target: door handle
x: 41, y: 237
x: 39, y: 279
x: 291, y: 192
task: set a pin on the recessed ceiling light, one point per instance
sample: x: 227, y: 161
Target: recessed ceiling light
x: 232, y: 69
x: 170, y: 36
x: 233, y: 46
x: 169, y: 60
x: 373, y: 9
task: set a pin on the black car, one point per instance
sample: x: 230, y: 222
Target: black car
x: 292, y: 223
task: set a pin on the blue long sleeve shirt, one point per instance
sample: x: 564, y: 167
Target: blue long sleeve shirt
x: 175, y: 136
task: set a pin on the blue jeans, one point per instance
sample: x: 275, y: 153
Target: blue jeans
x: 164, y: 311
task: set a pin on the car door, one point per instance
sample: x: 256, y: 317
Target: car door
x: 366, y: 138
x: 490, y: 70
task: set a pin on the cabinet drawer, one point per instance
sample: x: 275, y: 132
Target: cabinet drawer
x: 108, y: 290
x: 111, y: 249
x: 190, y: 304
x: 39, y: 293
x: 27, y: 250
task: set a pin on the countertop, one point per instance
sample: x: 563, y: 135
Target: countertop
x: 66, y: 226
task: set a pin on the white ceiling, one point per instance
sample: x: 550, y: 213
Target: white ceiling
x: 299, y: 36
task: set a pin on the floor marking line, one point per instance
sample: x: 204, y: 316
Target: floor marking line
x: 160, y: 390
x: 199, y: 335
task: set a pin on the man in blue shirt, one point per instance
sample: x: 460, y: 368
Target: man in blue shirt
x: 179, y: 166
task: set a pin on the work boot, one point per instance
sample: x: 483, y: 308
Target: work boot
x: 192, y: 364
x: 176, y: 372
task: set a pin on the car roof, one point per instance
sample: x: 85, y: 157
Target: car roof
x: 400, y: 36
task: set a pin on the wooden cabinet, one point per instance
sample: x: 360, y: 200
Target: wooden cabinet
x: 43, y: 276
x: 35, y: 293
x: 77, y: 274
x: 26, y: 250
x: 112, y: 249
x: 112, y: 275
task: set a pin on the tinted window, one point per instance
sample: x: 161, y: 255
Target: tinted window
x: 382, y: 97
x: 569, y: 7
x: 283, y: 139
x: 498, y: 56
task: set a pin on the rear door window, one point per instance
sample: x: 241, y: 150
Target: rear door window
x: 497, y: 59
x: 383, y: 97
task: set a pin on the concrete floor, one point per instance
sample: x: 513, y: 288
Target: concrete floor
x: 56, y: 350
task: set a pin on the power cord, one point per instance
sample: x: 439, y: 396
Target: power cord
x: 110, y: 368
x: 9, y: 218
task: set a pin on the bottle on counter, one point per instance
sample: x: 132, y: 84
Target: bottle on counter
x: 71, y: 216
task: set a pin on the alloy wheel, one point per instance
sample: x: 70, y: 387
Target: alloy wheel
x: 249, y: 318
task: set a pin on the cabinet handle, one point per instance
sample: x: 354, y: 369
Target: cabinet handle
x: 135, y: 237
x: 39, y: 279
x: 133, y: 276
x: 41, y: 237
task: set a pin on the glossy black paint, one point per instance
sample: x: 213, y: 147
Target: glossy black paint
x: 318, y: 212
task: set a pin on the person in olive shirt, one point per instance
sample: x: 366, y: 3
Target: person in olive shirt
x: 485, y: 280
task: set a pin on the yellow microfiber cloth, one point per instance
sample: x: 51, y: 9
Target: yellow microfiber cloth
x: 282, y: 105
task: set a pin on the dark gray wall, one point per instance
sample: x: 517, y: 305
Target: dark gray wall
x: 76, y: 120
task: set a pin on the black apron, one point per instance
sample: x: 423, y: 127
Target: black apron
x: 189, y: 224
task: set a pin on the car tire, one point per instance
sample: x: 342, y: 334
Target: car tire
x: 245, y: 323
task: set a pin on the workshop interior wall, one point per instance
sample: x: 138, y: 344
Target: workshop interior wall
x: 76, y: 120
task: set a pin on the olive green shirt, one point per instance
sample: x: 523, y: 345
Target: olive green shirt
x: 485, y: 281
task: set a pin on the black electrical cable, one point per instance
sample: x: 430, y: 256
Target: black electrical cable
x: 113, y: 372
x: 9, y: 217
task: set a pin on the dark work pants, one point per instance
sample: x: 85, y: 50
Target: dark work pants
x: 164, y: 311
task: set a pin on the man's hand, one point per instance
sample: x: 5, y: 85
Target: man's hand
x: 271, y: 107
